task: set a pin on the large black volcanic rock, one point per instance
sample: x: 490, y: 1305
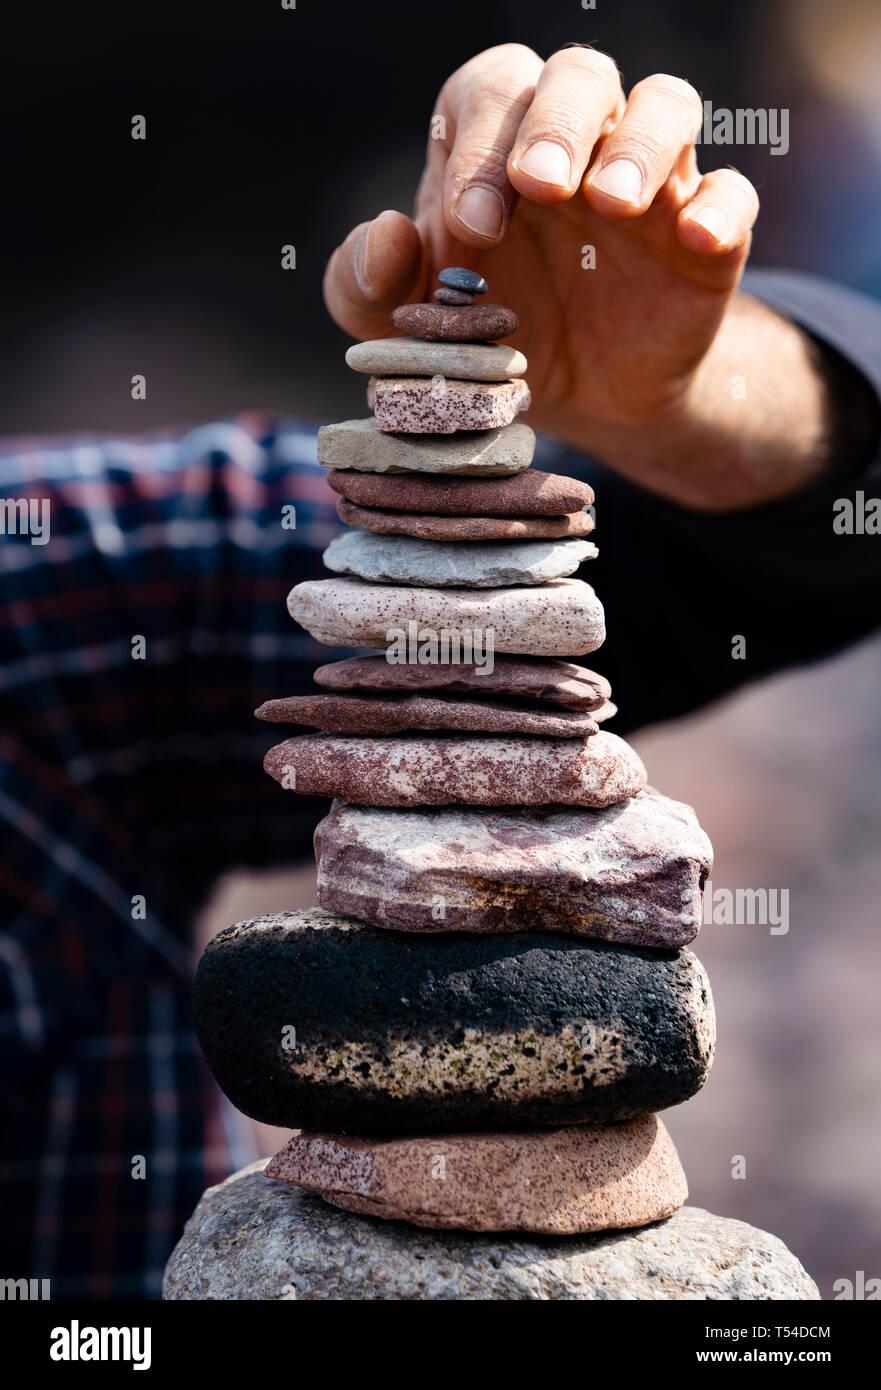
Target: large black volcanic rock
x: 316, y: 1021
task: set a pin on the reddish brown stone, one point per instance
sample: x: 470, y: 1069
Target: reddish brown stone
x: 472, y: 323
x: 522, y: 678
x: 441, y: 770
x: 553, y: 1182
x: 445, y: 295
x: 371, y: 714
x: 531, y: 493
x: 464, y: 528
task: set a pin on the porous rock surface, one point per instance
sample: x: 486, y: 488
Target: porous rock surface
x: 442, y: 405
x: 409, y: 1033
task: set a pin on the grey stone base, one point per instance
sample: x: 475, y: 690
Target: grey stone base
x: 256, y: 1238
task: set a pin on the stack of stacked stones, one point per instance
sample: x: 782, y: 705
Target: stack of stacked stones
x: 477, y: 1027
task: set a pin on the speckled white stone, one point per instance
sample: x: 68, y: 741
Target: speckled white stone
x: 563, y: 618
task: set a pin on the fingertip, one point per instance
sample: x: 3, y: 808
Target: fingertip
x: 389, y: 257
x: 707, y: 231
x: 542, y: 172
x: 377, y: 267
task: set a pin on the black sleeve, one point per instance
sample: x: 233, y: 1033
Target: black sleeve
x: 697, y: 604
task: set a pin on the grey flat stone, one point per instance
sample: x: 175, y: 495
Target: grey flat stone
x: 255, y: 1239
x: 416, y: 357
x: 480, y: 453
x: 460, y: 564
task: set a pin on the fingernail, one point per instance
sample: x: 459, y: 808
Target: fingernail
x: 359, y: 261
x: 481, y: 210
x: 713, y: 220
x: 622, y: 179
x: 547, y: 162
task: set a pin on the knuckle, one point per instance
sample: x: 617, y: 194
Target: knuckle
x: 587, y: 62
x: 558, y: 120
x: 645, y: 145
x: 740, y: 185
x: 501, y: 69
x: 477, y: 159
x: 674, y: 89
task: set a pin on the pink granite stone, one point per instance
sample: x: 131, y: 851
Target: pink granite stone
x: 443, y: 405
x: 552, y: 1182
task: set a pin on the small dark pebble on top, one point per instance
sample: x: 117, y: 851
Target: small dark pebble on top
x: 456, y: 278
x: 445, y: 296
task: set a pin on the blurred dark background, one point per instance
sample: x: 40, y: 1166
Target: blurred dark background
x: 267, y: 127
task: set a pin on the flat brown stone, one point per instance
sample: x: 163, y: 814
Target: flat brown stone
x: 464, y: 528
x: 371, y: 714
x: 552, y: 1182
x: 442, y: 771
x: 530, y: 494
x: 558, y: 682
x: 441, y: 405
x: 468, y: 323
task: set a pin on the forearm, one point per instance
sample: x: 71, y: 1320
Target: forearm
x: 767, y: 413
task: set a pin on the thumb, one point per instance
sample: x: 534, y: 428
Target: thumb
x: 380, y: 265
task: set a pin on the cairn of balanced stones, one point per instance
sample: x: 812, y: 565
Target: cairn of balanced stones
x: 477, y: 1026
